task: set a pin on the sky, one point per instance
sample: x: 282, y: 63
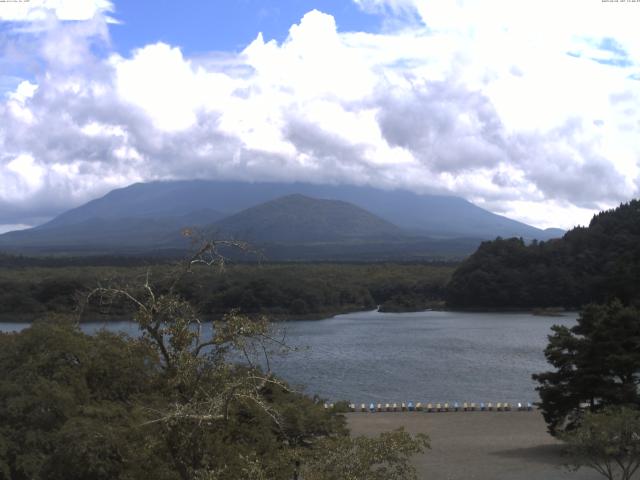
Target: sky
x: 530, y: 109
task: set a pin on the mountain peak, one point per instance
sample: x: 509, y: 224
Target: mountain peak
x: 144, y: 214
x: 297, y: 218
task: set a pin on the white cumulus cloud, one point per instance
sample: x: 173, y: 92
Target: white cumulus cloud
x: 530, y: 110
x: 38, y: 10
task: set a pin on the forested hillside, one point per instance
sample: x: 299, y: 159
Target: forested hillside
x: 592, y: 264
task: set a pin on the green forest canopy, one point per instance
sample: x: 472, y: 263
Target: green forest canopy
x: 279, y: 290
x: 589, y: 264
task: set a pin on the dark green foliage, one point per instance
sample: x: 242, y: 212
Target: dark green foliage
x: 74, y: 406
x: 593, y: 264
x: 597, y: 363
x: 20, y: 261
x: 294, y: 290
x: 281, y: 290
x: 342, y: 406
x: 58, y: 418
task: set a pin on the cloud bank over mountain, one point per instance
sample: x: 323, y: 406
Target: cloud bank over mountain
x: 530, y: 111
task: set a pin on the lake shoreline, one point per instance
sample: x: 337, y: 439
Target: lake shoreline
x: 284, y: 318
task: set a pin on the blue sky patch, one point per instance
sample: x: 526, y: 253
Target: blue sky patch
x: 614, y: 62
x: 611, y: 45
x: 615, y: 55
x: 205, y: 26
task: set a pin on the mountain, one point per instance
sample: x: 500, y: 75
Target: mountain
x: 107, y: 233
x: 553, y: 233
x: 588, y: 264
x: 392, y: 223
x: 437, y: 216
x: 298, y: 219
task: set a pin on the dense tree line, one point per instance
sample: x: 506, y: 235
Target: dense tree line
x: 592, y: 264
x: 280, y: 290
x: 13, y: 261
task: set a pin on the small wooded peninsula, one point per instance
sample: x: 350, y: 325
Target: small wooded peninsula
x: 588, y: 264
x: 32, y: 287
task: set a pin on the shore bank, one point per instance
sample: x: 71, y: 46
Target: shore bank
x: 478, y: 445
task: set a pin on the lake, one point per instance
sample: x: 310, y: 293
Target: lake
x: 428, y: 356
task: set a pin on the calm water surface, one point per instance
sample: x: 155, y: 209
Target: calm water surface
x: 424, y: 356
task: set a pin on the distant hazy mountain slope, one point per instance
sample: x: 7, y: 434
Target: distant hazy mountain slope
x: 433, y: 215
x: 109, y: 232
x: 554, y: 232
x: 296, y: 219
x: 146, y: 200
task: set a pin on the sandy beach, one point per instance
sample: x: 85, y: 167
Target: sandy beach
x: 478, y: 445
